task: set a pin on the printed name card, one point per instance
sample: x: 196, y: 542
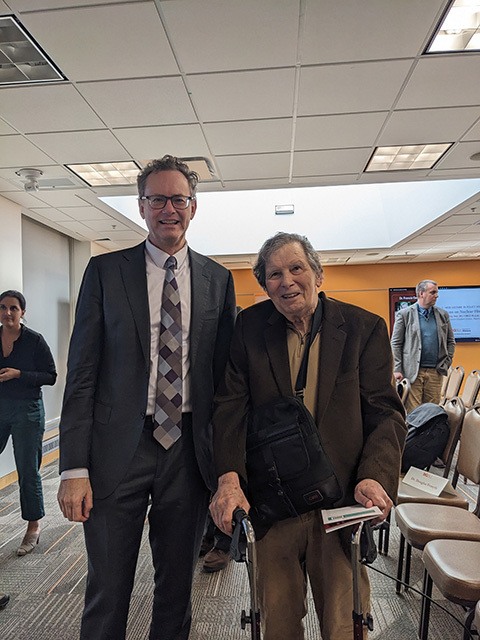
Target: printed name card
x: 426, y: 481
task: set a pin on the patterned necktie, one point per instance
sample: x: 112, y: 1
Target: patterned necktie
x: 168, y: 405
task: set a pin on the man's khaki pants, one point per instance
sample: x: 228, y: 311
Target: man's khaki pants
x: 426, y: 388
x: 291, y: 550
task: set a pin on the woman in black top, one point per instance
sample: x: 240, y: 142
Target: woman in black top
x: 26, y: 363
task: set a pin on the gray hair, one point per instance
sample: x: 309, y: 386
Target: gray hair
x: 167, y: 163
x: 422, y: 286
x: 278, y: 241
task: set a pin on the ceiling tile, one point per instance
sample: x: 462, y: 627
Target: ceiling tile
x: 113, y: 30
x: 144, y: 143
x: 60, y: 197
x: 86, y: 213
x: 233, y: 35
x: 129, y: 103
x: 78, y: 227
x: 365, y: 86
x: 459, y: 156
x: 106, y: 225
x: 81, y: 146
x: 5, y: 128
x: 443, y: 81
x: 328, y: 132
x: 425, y: 125
x: 369, y: 30
x: 17, y: 151
x: 57, y: 108
x: 474, y: 133
x: 249, y: 136
x: 52, y: 214
x: 330, y: 162
x: 247, y: 95
x: 26, y: 5
x: 269, y: 165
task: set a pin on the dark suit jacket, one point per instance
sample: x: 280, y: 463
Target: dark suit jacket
x: 359, y: 414
x: 109, y: 363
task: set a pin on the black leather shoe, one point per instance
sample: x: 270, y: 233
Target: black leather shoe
x: 4, y: 600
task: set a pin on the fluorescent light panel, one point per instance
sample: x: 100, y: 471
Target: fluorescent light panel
x: 407, y: 157
x: 105, y: 174
x: 459, y: 29
x: 21, y: 58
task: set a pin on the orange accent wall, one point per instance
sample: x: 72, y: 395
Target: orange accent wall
x: 367, y: 286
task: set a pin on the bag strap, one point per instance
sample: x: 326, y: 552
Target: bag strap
x: 302, y: 373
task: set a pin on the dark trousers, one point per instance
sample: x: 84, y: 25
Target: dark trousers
x: 113, y: 535
x: 25, y: 421
x: 215, y: 536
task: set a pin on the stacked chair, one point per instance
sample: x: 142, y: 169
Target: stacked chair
x: 455, y: 409
x: 448, y: 535
x: 445, y: 380
x: 403, y: 389
x: 407, y: 494
x: 454, y: 382
x: 471, y: 389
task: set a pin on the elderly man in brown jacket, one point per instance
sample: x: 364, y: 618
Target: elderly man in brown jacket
x: 350, y: 393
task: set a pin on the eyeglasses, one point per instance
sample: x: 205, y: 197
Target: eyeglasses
x: 159, y: 202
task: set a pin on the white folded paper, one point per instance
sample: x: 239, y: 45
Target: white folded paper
x: 334, y: 519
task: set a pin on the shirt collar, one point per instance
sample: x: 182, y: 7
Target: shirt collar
x: 424, y: 311
x: 159, y: 257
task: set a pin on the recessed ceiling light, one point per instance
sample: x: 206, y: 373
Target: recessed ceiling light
x: 105, y: 174
x: 459, y: 30
x: 21, y: 58
x: 407, y: 157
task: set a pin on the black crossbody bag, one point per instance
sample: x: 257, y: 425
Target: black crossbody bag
x: 288, y: 472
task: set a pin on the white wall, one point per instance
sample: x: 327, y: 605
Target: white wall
x: 46, y: 287
x: 11, y: 245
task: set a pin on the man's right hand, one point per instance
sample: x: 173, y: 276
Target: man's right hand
x: 398, y: 375
x: 228, y: 497
x: 75, y: 498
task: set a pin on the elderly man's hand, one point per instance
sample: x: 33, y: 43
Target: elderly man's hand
x: 229, y: 496
x: 370, y: 493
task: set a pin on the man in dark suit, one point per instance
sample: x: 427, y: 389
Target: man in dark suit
x: 111, y: 461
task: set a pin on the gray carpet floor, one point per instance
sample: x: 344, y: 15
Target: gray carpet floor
x: 47, y: 586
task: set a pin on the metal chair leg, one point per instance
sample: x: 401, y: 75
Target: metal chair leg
x: 401, y: 553
x: 425, y: 613
x: 408, y: 563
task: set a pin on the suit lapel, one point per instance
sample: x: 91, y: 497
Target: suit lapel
x: 134, y: 276
x: 200, y: 277
x: 332, y: 342
x: 277, y: 349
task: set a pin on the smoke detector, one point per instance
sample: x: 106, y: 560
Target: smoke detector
x: 30, y: 178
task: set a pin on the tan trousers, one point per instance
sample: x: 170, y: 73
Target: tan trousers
x: 426, y: 388
x: 291, y: 550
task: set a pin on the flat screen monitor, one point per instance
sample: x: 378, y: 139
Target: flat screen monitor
x: 462, y: 304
